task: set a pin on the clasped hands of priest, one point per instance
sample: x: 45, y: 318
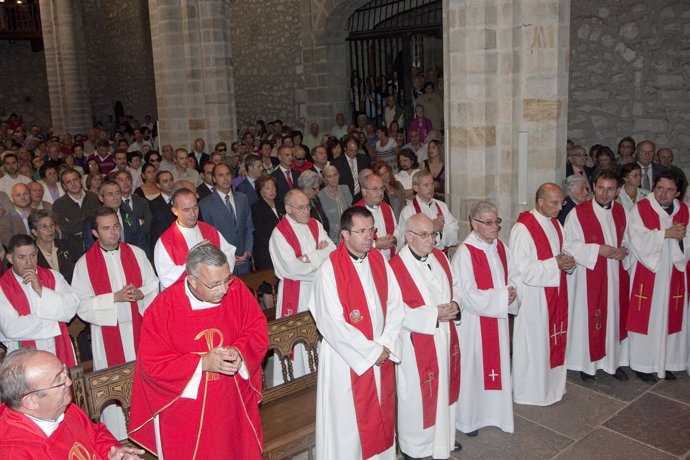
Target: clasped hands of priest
x: 447, y: 311
x: 676, y: 232
x: 611, y: 252
x: 129, y: 293
x: 222, y: 360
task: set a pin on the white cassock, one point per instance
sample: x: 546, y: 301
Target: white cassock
x: 577, y: 352
x: 449, y: 234
x: 438, y: 440
x: 287, y: 266
x: 168, y: 272
x: 47, y: 311
x: 380, y: 225
x: 658, y: 351
x: 102, y: 310
x: 343, y: 348
x: 534, y: 382
x: 625, y: 200
x: 478, y: 407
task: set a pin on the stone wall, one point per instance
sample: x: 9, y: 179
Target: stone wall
x: 630, y: 73
x: 24, y: 85
x: 120, y: 64
x: 267, y: 57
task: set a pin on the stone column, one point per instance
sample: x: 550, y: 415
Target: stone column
x: 193, y: 71
x: 506, y: 85
x: 65, y: 54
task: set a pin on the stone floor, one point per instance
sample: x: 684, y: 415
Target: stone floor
x: 601, y: 419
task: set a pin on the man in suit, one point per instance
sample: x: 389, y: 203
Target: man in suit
x: 230, y: 214
x: 286, y: 178
x: 645, y: 155
x: 198, y: 152
x: 350, y: 164
x: 161, y: 207
x: 665, y: 157
x: 320, y: 158
x: 37, y: 201
x: 131, y: 230
x: 137, y: 205
x: 206, y: 187
x: 71, y: 209
x: 576, y: 164
x: 254, y: 168
x: 16, y: 220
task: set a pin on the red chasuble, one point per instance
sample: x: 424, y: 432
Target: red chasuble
x: 643, y: 283
x: 491, y: 347
x: 388, y: 219
x: 424, y: 345
x: 223, y: 421
x: 375, y: 421
x: 556, y: 297
x: 15, y: 294
x: 176, y: 246
x: 291, y: 288
x: 76, y: 438
x: 95, y: 263
x: 598, y: 278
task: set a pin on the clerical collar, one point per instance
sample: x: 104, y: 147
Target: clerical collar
x: 609, y: 206
x: 355, y: 258
x: 372, y: 206
x: 428, y: 203
x: 418, y: 257
x: 109, y: 250
x: 669, y: 208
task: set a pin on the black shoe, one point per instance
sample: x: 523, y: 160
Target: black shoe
x: 407, y: 457
x: 670, y: 375
x: 472, y: 434
x: 584, y: 376
x: 457, y: 448
x: 620, y: 375
x: 646, y: 377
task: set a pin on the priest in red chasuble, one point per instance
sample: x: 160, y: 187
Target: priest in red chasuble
x: 358, y: 309
x: 429, y: 371
x: 197, y: 384
x: 595, y: 233
x: 38, y: 420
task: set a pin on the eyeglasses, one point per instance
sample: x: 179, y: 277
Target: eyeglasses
x: 154, y: 160
x: 64, y: 376
x: 425, y: 235
x: 300, y: 159
x: 302, y: 208
x: 490, y: 223
x: 222, y: 150
x: 364, y: 231
x: 226, y: 282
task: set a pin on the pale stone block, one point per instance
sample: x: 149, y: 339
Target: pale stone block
x: 540, y: 109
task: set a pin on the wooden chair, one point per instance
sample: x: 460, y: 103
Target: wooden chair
x: 93, y: 391
x: 288, y: 411
x: 254, y: 280
x: 75, y: 328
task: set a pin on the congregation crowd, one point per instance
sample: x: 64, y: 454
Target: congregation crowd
x: 146, y: 242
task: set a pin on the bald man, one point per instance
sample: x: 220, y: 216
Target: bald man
x: 16, y: 220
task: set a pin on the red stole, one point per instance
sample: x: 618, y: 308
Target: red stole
x: 491, y: 346
x: 597, y: 278
x: 176, y: 246
x: 388, y: 219
x: 375, y: 422
x: 100, y: 282
x: 643, y: 283
x: 424, y: 346
x: 17, y: 298
x: 556, y: 297
x: 418, y: 209
x: 291, y: 287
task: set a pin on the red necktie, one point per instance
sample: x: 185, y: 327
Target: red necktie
x: 288, y: 176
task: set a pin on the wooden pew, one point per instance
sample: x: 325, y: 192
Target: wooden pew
x: 288, y: 411
x: 254, y: 280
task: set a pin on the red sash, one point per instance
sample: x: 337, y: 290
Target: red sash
x: 424, y: 346
x: 388, y: 219
x: 643, y: 283
x: 291, y: 287
x: 375, y: 421
x: 176, y: 246
x: 95, y: 263
x: 597, y: 278
x: 17, y: 298
x: 556, y: 297
x: 491, y: 346
x: 418, y: 209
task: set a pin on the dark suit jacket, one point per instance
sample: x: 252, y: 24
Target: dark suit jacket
x: 203, y: 191
x: 320, y: 173
x: 11, y: 224
x: 142, y: 210
x: 569, y: 205
x: 318, y: 213
x: 264, y: 222
x: 205, y: 157
x: 67, y: 258
x: 163, y: 218
x: 283, y: 188
x: 248, y: 189
x: 343, y: 166
x: 588, y: 171
x: 237, y: 230
x: 132, y: 230
x: 70, y: 218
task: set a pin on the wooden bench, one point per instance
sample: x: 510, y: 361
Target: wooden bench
x: 288, y: 411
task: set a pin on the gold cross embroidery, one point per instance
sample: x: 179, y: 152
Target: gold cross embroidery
x: 640, y: 298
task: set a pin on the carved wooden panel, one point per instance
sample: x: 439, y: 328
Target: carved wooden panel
x: 98, y: 389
